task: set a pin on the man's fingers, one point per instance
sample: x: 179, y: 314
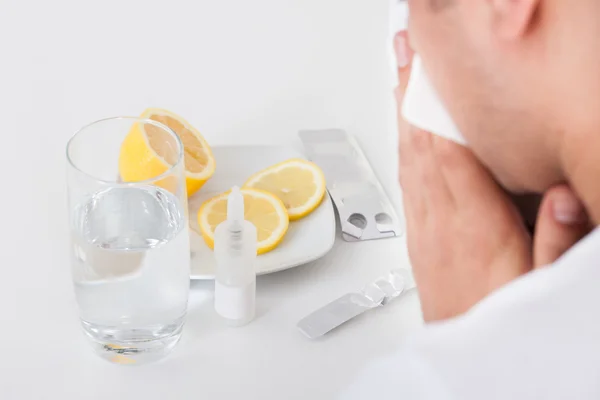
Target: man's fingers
x: 469, y: 181
x: 562, y: 222
x: 433, y: 187
x: 422, y: 182
x: 408, y: 170
x: 404, y: 56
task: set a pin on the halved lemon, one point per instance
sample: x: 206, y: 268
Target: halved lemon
x: 146, y: 152
x: 264, y: 210
x: 299, y: 184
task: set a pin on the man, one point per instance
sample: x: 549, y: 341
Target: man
x: 507, y: 316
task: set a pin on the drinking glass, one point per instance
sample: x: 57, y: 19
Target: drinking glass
x: 129, y: 240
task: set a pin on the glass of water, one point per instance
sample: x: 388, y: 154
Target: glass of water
x: 129, y: 239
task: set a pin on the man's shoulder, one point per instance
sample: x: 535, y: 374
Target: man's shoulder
x: 540, y: 328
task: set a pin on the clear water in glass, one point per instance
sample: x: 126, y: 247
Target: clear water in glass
x: 131, y: 271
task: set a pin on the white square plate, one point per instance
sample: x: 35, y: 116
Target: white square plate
x: 306, y: 240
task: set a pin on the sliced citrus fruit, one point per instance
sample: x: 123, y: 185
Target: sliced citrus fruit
x: 264, y: 210
x: 146, y: 152
x: 300, y: 184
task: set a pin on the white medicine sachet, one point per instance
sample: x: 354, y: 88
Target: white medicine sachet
x: 423, y: 108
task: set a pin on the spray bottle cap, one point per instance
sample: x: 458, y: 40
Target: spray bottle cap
x: 235, y: 205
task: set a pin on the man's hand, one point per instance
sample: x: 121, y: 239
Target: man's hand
x: 465, y: 236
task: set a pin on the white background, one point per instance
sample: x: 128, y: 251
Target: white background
x: 243, y: 72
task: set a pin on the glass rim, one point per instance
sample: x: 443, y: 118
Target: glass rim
x: 171, y: 132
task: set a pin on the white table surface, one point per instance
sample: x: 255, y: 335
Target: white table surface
x: 244, y: 72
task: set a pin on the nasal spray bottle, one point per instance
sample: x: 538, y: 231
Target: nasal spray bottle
x: 235, y: 252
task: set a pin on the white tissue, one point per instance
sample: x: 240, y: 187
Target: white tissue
x: 423, y: 108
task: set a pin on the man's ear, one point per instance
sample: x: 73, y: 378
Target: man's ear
x: 513, y: 18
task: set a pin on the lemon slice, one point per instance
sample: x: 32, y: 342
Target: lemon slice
x: 146, y: 152
x: 264, y: 210
x: 299, y: 184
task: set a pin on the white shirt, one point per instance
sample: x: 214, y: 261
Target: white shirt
x: 536, y: 338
